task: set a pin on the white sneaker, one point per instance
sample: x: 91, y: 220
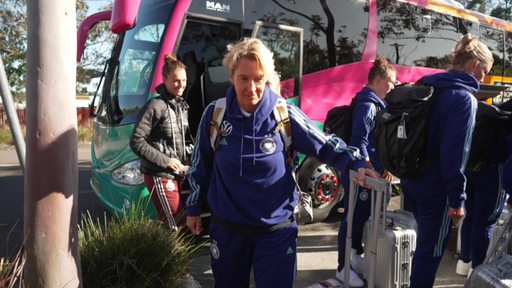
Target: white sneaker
x: 357, y: 263
x: 189, y: 282
x: 462, y: 268
x: 469, y: 272
x: 354, y: 280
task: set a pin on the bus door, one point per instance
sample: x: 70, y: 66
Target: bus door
x: 287, y: 44
x: 202, y: 47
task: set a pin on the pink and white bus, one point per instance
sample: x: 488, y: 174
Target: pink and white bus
x: 323, y: 50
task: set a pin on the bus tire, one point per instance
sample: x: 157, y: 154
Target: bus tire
x: 321, y: 181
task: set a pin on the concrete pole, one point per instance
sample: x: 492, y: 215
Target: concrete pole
x: 51, y: 174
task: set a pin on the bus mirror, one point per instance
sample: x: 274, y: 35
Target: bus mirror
x: 83, y: 30
x: 124, y: 14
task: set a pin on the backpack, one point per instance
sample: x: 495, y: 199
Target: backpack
x: 401, y: 130
x: 339, y: 120
x: 304, y: 210
x: 280, y: 114
x: 488, y: 144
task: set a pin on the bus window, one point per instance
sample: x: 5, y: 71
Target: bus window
x: 286, y: 43
x: 127, y: 86
x: 494, y: 39
x: 414, y: 36
x: 334, y: 34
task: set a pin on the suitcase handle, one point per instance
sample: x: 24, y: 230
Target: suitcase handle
x: 380, y: 187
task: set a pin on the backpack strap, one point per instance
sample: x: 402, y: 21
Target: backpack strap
x: 216, y: 121
x: 284, y: 127
x: 280, y: 115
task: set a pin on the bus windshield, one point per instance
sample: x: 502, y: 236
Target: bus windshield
x: 133, y: 62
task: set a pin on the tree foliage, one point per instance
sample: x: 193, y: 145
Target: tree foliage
x: 96, y: 53
x: 13, y: 46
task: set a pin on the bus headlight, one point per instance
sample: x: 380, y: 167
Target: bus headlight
x: 128, y: 174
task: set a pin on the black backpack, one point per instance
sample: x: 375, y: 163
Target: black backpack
x: 488, y: 144
x: 401, y: 130
x: 339, y: 120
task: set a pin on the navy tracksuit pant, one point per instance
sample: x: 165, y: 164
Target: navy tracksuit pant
x: 430, y: 207
x: 484, y: 204
x: 362, y: 211
x: 271, y: 255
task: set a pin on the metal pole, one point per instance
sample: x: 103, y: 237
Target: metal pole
x: 12, y: 116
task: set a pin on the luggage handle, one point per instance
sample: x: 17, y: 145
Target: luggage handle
x: 380, y: 187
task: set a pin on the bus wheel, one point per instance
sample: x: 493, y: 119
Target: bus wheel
x: 321, y: 181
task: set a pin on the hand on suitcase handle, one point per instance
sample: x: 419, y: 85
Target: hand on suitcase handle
x: 361, y: 176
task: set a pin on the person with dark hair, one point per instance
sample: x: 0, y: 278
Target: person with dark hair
x: 248, y: 177
x: 381, y: 80
x: 437, y: 196
x: 162, y: 139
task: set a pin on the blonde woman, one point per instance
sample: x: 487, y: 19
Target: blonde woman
x: 438, y: 195
x: 248, y: 181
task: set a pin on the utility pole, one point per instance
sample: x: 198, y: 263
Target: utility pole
x: 51, y: 173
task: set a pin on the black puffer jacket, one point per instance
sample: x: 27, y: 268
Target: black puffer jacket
x: 162, y: 133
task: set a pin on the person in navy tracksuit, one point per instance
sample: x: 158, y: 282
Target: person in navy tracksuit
x: 485, y: 197
x: 249, y: 182
x: 506, y: 179
x: 438, y: 195
x: 381, y: 79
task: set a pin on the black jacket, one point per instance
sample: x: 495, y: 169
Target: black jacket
x: 162, y: 133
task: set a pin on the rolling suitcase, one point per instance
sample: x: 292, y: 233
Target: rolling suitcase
x: 380, y: 186
x: 396, y: 243
x: 500, y: 236
x: 389, y: 244
x: 496, y: 271
x: 495, y: 274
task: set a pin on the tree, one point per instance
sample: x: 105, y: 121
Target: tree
x: 97, y: 50
x: 13, y: 46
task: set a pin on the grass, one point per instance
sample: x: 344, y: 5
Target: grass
x: 11, y: 271
x: 84, y: 134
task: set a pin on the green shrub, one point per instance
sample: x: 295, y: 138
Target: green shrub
x: 132, y: 250
x: 6, y: 136
x: 85, y: 134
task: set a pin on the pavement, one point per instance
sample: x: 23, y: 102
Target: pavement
x: 317, y: 245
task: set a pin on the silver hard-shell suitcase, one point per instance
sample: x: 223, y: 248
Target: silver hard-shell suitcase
x: 388, y: 260
x: 500, y: 236
x: 495, y: 274
x: 396, y: 243
x: 496, y: 271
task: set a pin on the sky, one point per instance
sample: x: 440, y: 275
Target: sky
x: 95, y: 5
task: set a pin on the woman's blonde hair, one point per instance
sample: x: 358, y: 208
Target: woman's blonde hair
x: 470, y: 48
x: 381, y: 68
x: 253, y: 49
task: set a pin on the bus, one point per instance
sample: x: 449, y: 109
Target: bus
x: 323, y: 51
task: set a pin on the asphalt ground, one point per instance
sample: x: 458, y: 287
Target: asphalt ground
x: 317, y: 243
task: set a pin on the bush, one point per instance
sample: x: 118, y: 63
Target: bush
x: 85, y: 134
x: 11, y: 272
x: 6, y: 136
x: 132, y: 250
